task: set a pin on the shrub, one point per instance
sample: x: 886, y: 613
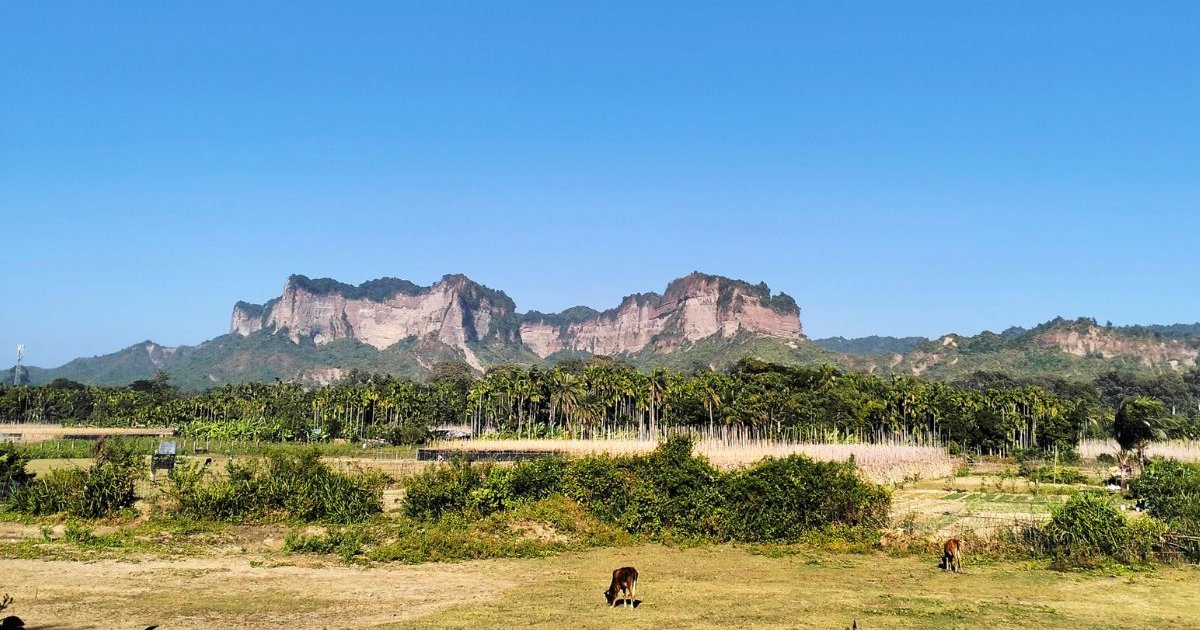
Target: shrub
x: 298, y: 485
x: 1171, y: 492
x: 666, y: 493
x: 12, y: 470
x: 102, y: 490
x: 49, y: 494
x: 1087, y: 525
x: 347, y: 542
x: 1032, y: 471
x: 443, y: 490
x: 781, y: 499
x: 526, y: 481
x: 668, y: 489
x: 1069, y: 457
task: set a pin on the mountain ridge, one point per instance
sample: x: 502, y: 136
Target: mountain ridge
x: 319, y: 329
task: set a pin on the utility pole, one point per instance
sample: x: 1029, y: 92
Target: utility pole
x: 17, y: 370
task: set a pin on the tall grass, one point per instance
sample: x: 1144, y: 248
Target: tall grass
x: 1183, y: 450
x: 881, y: 463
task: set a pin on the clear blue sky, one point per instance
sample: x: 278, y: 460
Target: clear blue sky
x: 902, y: 168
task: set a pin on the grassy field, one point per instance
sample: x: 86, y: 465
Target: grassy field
x: 704, y: 587
x: 239, y: 576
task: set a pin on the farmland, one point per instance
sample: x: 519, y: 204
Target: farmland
x: 145, y: 568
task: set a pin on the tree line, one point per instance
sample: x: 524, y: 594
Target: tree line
x: 985, y: 412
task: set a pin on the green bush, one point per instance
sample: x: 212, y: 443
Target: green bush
x: 102, y: 490
x: 296, y: 484
x: 1087, y: 525
x: 48, y: 494
x: 781, y: 499
x: 1171, y: 492
x: 1032, y: 471
x: 668, y: 492
x: 346, y: 542
x: 12, y: 470
x: 443, y: 490
x: 526, y: 481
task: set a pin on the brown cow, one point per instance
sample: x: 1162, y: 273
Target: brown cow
x: 624, y: 580
x: 952, y: 555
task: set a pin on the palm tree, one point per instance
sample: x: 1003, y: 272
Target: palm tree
x: 1139, y: 421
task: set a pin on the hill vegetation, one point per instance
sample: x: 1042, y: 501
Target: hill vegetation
x: 984, y: 411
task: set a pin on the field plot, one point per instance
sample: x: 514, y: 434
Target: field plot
x: 706, y: 587
x: 941, y: 513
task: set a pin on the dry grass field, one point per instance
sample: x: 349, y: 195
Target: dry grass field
x: 882, y: 463
x: 704, y: 587
x: 239, y: 577
x: 1185, y: 450
x: 32, y: 433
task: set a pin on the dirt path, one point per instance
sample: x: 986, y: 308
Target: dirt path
x: 237, y: 592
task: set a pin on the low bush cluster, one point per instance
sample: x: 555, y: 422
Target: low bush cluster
x: 102, y: 490
x: 669, y: 492
x: 12, y: 470
x: 1170, y: 490
x: 1049, y: 473
x: 781, y: 499
x: 527, y: 529
x: 1090, y: 527
x: 296, y: 485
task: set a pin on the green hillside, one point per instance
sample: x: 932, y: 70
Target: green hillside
x: 1042, y: 352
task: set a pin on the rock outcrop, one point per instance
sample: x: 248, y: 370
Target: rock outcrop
x: 692, y: 308
x: 456, y: 311
x: 1095, y: 341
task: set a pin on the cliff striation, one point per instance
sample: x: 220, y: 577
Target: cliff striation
x: 457, y: 312
x: 692, y: 308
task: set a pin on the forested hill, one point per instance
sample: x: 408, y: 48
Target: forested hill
x: 870, y: 345
x: 757, y: 325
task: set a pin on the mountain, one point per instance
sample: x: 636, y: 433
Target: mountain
x: 317, y: 330
x: 460, y: 313
x: 1077, y: 349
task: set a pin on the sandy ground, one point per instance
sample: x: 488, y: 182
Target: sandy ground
x: 237, y: 592
x: 703, y: 587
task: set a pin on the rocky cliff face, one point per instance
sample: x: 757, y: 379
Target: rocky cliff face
x: 692, y: 308
x: 1095, y: 341
x: 456, y: 311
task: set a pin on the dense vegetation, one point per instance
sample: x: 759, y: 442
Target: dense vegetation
x: 1170, y: 491
x: 295, y: 484
x: 984, y: 411
x: 669, y: 492
x: 102, y: 490
x: 873, y: 344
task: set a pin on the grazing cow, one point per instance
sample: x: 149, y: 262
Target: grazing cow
x: 952, y: 555
x: 624, y: 580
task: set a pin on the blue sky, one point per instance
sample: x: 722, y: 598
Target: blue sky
x: 904, y: 168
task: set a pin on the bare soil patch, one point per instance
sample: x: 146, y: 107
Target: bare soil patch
x: 241, y: 591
